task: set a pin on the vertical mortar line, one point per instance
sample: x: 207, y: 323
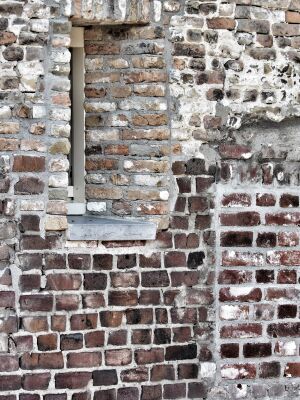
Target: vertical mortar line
x: 169, y: 64
x: 218, y: 258
x: 48, y: 80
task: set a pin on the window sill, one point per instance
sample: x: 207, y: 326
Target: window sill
x: 90, y: 227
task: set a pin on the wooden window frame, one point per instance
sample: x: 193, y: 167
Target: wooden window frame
x: 76, y: 192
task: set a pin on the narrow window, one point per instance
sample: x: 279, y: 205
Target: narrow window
x: 76, y: 190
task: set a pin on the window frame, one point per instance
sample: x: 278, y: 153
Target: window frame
x: 76, y: 191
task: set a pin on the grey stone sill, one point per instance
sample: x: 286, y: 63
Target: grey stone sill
x: 90, y: 227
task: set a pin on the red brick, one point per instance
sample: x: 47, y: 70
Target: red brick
x: 184, y: 316
x: 196, y: 389
x: 181, y: 334
x: 29, y: 185
x: 221, y: 23
x: 118, y: 357
x: 235, y: 151
x: 197, y: 204
x: 236, y: 200
x: 236, y: 239
x: 162, y: 372
x: 152, y: 261
x: 95, y: 281
x: 288, y: 258
x: 94, y: 339
x: 234, y: 277
x: 240, y: 219
x: 83, y: 360
x: 58, y: 323
x: 269, y: 370
x: 175, y: 259
x: 130, y: 393
x: 174, y: 391
x: 203, y: 183
x: 83, y: 321
x: 9, y: 363
x: 124, y: 279
x: 138, y: 374
x: 34, y: 324
x: 155, y: 279
x: 181, y: 352
x: 287, y: 311
x: 36, y: 302
x: 93, y: 300
x: 234, y: 259
x: 283, y: 218
x: 28, y: 164
x: 153, y: 392
x: 105, y: 394
x: 81, y: 396
x: 30, y: 223
x: 10, y: 382
x: 126, y: 261
x: 287, y: 277
x: 42, y: 361
x: 36, y: 381
x: 141, y: 336
x: 122, y: 298
x: 292, y: 369
x: 289, y: 200
x: 186, y: 278
x: 257, y: 350
x: 22, y: 343
x: 265, y: 200
x: 286, y: 329
x: 63, y: 281
x: 152, y: 356
x: 67, y: 302
x: 149, y: 297
x: 71, y: 342
x: 29, y: 282
x: 102, y: 262
x: 72, y: 380
x: 139, y: 316
x: 117, y: 338
x: 266, y: 239
x: 264, y: 276
x: 288, y: 239
x: 7, y: 299
x: 111, y: 318
x: 162, y: 335
x: 79, y: 261
x: 229, y: 350
x: 47, y: 342
x: 188, y: 371
x: 241, y: 331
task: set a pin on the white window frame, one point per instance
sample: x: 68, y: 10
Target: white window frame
x: 76, y: 193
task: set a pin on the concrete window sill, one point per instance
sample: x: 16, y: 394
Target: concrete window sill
x: 90, y: 227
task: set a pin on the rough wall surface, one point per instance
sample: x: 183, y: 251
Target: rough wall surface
x: 209, y: 310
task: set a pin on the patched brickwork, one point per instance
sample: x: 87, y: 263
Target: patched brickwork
x: 191, y: 121
x: 108, y: 12
x: 127, y: 122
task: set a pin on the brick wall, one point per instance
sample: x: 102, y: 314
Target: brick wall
x: 127, y: 122
x: 200, y: 103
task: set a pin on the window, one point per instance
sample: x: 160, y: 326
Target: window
x: 82, y: 226
x: 76, y: 189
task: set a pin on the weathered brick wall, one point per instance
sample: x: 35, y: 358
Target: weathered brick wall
x: 210, y: 308
x: 127, y: 122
